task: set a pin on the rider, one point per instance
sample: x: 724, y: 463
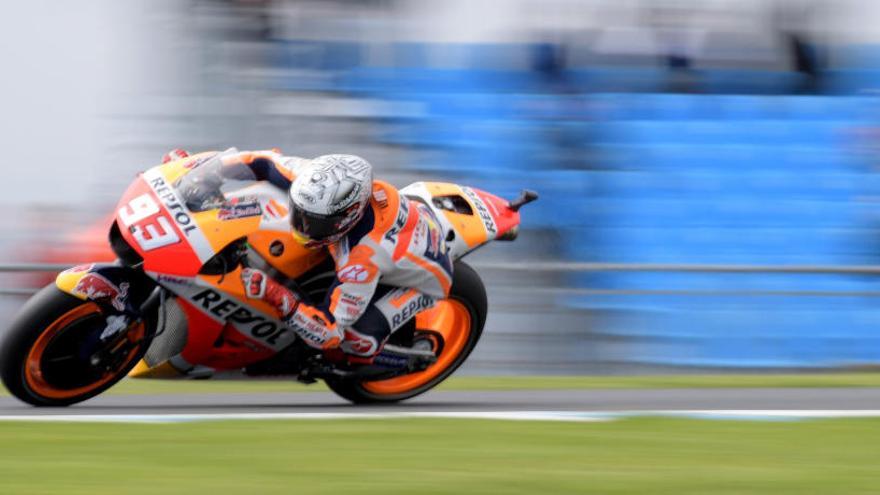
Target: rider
x: 389, y: 251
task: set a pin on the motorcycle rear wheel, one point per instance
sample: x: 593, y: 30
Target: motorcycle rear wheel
x: 454, y: 327
x: 45, y: 355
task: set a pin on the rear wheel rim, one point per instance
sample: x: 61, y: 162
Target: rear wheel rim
x: 449, y: 320
x: 55, y: 367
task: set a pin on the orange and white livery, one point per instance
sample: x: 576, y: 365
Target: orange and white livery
x: 208, y: 277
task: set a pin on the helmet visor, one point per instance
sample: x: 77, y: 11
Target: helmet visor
x: 317, y: 227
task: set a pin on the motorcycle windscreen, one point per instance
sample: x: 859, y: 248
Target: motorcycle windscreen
x: 159, y: 218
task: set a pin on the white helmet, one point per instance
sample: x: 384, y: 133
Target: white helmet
x: 328, y: 197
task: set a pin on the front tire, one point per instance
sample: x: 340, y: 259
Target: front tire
x: 455, y: 324
x: 45, y: 355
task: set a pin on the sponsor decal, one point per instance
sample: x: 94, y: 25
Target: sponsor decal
x: 311, y: 330
x: 95, y: 287
x: 275, y: 210
x: 482, y: 211
x: 434, y: 240
x: 256, y: 326
x: 172, y: 204
x: 352, y: 305
x: 391, y: 235
x: 429, y: 228
x: 240, y: 208
x: 390, y: 360
x: 406, y: 312
x: 356, y: 274
x: 352, y: 299
x: 169, y: 279
x: 381, y: 198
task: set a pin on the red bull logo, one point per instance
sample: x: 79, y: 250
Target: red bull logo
x: 96, y: 288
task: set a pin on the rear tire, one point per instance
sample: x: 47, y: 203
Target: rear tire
x: 56, y: 314
x: 467, y: 291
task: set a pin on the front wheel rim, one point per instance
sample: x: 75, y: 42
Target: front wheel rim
x: 452, y: 321
x: 36, y: 361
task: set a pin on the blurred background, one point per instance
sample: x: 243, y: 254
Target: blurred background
x: 708, y: 170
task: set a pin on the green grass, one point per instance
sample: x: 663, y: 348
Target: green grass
x: 433, y: 456
x: 522, y: 383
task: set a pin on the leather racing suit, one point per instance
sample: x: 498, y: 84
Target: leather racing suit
x: 392, y: 264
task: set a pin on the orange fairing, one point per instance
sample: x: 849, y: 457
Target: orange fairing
x: 489, y: 219
x: 286, y: 255
x: 452, y: 321
x: 468, y: 227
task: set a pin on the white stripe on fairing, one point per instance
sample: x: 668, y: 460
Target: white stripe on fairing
x: 570, y: 416
x: 196, y: 238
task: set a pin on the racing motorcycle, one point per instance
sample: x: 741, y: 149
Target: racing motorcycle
x: 173, y: 303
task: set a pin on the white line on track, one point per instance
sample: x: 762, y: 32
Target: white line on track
x: 574, y: 416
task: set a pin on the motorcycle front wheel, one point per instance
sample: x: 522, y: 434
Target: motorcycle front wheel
x: 52, y: 354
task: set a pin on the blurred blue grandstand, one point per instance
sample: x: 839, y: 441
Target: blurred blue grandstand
x: 740, y: 171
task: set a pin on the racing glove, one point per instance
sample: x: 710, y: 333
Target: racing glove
x: 308, y: 322
x: 258, y: 285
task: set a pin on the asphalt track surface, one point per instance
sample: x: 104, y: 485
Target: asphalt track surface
x: 851, y: 399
